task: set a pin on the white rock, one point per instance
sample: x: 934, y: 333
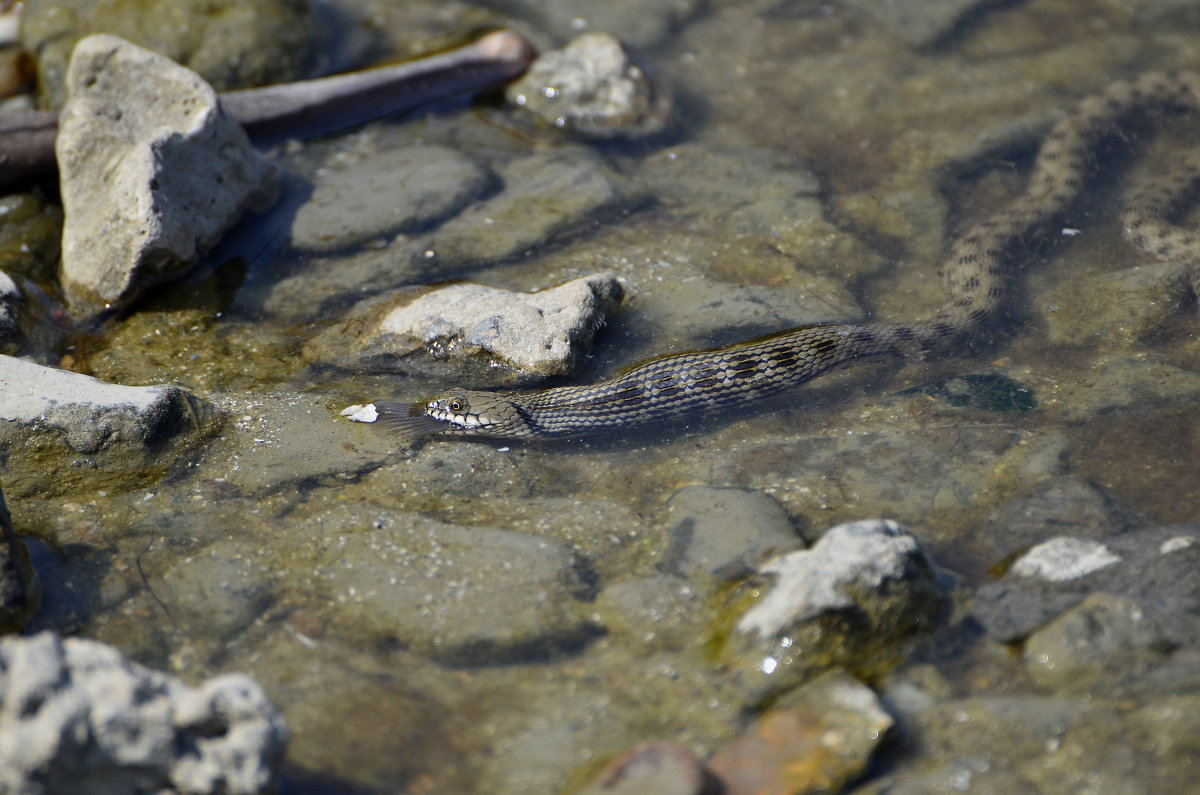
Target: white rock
x: 9, y: 295
x: 152, y: 173
x: 815, y: 581
x: 75, y: 713
x: 537, y: 334
x: 1064, y: 558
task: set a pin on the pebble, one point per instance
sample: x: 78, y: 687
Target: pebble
x: 663, y: 768
x: 74, y: 710
x: 859, y: 591
x: 1064, y: 558
x: 152, y: 173
x: 396, y: 191
x: 724, y: 533
x: 817, y: 739
x: 591, y: 87
x: 519, y: 337
x: 20, y: 588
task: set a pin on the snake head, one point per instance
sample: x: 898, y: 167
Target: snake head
x: 470, y: 412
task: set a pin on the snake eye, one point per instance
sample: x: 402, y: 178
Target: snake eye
x: 456, y: 405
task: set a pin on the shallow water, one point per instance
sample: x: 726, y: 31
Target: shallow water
x: 244, y: 555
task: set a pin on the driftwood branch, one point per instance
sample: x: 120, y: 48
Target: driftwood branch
x: 307, y: 108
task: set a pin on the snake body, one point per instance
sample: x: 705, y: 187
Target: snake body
x: 974, y: 279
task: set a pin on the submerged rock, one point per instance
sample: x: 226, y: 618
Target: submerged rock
x: 849, y: 600
x: 664, y: 768
x: 49, y: 412
x: 818, y: 739
x: 152, y: 171
x: 75, y: 712
x: 387, y: 193
x: 530, y: 335
x: 230, y: 44
x: 20, y: 590
x: 724, y: 532
x: 591, y: 87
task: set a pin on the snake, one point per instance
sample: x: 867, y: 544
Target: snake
x: 683, y: 384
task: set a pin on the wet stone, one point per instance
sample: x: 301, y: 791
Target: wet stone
x: 231, y: 45
x: 519, y: 336
x: 74, y: 710
x: 20, y: 589
x: 817, y: 739
x: 1135, y: 384
x: 1121, y: 309
x: 591, y: 87
x: 1155, y: 568
x: 724, y: 533
x: 651, y: 613
x: 920, y: 23
x: 462, y: 595
x: 10, y: 296
x: 65, y: 415
x: 1106, y: 639
x: 663, y: 768
x: 850, y: 599
x: 219, y: 591
x: 184, y: 173
x: 383, y: 194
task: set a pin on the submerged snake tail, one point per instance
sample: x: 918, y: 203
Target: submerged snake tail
x: 974, y: 271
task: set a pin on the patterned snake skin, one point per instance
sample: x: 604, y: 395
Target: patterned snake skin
x: 688, y: 382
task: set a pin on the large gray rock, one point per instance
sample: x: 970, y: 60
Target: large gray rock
x: 527, y: 336
x: 47, y: 413
x: 76, y: 716
x: 20, y: 590
x: 152, y: 172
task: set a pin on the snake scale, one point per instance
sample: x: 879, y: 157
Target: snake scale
x: 974, y: 279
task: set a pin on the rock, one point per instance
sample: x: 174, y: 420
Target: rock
x: 652, y: 614
x: 49, y: 412
x: 462, y: 595
x: 10, y: 295
x: 818, y: 739
x: 1155, y: 568
x: 20, y: 589
x: 663, y: 768
x: 920, y: 23
x: 1063, y: 506
x: 75, y: 711
x: 152, y: 171
x: 591, y: 87
x: 218, y: 591
x: 531, y: 336
x: 1137, y: 384
x: 724, y: 532
x: 1123, y: 308
x: 396, y: 191
x: 848, y: 600
x: 230, y: 45
x: 1105, y: 639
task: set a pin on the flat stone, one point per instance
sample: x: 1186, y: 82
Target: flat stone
x: 529, y: 336
x: 819, y: 739
x: 20, y: 589
x: 74, y: 710
x: 591, y: 87
x: 724, y: 532
x: 462, y: 595
x: 854, y: 595
x: 383, y: 194
x: 152, y: 171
